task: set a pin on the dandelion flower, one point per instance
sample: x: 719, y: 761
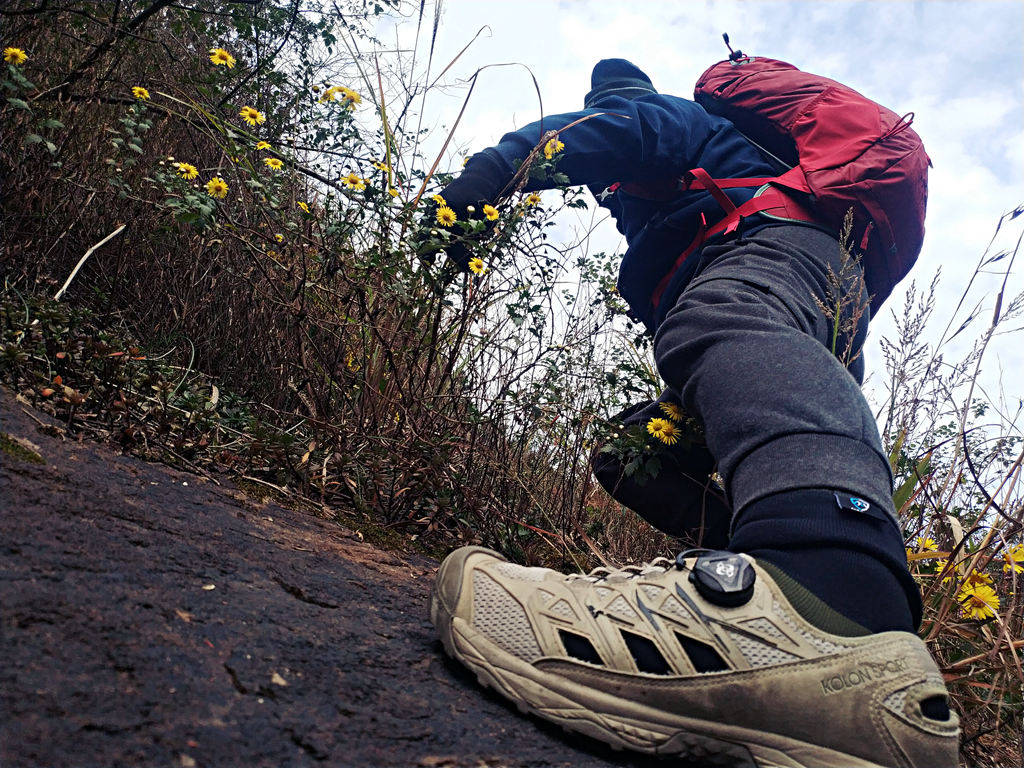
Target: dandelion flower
x: 187, y: 170
x: 1014, y: 560
x: 381, y: 167
x: 222, y: 58
x: 664, y: 430
x: 273, y: 163
x: 672, y: 410
x: 476, y: 266
x: 532, y: 199
x: 15, y: 56
x: 252, y: 116
x: 217, y: 187
x: 926, y: 544
x: 392, y: 191
x: 304, y: 206
x: 439, y: 200
x: 553, y: 147
x: 140, y: 93
x: 979, y: 601
x: 263, y: 145
x: 354, y: 181
x: 279, y: 237
x: 490, y: 213
x: 445, y: 216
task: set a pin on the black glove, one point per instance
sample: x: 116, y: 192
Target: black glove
x: 477, y: 185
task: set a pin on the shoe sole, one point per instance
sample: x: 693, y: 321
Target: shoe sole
x: 619, y: 723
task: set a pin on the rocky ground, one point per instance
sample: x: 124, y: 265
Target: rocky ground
x: 153, y: 617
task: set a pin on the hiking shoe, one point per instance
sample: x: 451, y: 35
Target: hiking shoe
x: 712, y: 656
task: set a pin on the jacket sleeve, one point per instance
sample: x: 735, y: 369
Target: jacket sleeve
x: 647, y: 139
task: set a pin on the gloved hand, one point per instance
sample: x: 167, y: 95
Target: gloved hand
x: 477, y: 185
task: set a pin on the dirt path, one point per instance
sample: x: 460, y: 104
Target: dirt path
x: 149, y: 617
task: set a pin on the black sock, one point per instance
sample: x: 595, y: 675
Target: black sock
x: 854, y: 561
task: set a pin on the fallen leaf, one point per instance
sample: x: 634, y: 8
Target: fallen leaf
x: 183, y: 615
x: 208, y: 587
x: 187, y: 761
x: 276, y: 679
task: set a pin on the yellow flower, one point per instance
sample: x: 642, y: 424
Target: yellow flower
x: 351, y: 97
x: 532, y: 199
x: 304, y: 206
x: 279, y: 237
x: 15, y: 56
x: 187, y: 170
x: 979, y: 601
x: 926, y: 545
x: 445, y: 216
x: 553, y: 147
x: 464, y: 161
x: 672, y: 410
x: 381, y: 167
x: 273, y: 162
x: 439, y: 200
x: 392, y: 191
x: 140, y: 93
x: 262, y: 145
x: 222, y: 58
x: 252, y: 116
x: 354, y: 181
x: 1014, y: 559
x: 976, y: 578
x: 490, y: 212
x: 940, y: 566
x: 476, y: 266
x: 664, y: 430
x: 217, y: 187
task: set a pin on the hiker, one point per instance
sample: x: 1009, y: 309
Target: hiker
x: 792, y: 632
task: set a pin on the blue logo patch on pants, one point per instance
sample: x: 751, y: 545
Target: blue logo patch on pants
x: 851, y: 503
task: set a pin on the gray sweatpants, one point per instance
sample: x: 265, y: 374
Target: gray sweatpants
x: 749, y: 352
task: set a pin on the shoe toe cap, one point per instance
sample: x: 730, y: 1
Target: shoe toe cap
x: 450, y: 578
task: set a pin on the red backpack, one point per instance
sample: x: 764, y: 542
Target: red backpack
x: 846, y: 152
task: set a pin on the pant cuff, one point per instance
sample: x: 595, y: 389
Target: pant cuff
x: 813, y: 460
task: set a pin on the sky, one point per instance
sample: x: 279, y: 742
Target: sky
x: 958, y: 66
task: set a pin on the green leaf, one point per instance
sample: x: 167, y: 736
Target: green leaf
x: 33, y: 138
x: 906, y: 489
x: 51, y: 123
x: 50, y: 147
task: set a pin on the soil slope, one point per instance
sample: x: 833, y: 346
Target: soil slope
x: 151, y: 617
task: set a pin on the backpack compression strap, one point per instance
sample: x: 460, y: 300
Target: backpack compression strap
x: 774, y: 199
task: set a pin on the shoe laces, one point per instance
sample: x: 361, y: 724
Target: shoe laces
x: 632, y: 571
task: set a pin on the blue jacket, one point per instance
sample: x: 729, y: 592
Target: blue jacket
x: 653, y: 138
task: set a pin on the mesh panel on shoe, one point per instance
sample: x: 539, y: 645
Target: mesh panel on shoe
x: 620, y: 609
x: 674, y: 608
x: 563, y: 609
x: 498, y: 616
x: 650, y: 591
x: 520, y: 572
x: 823, y: 645
x: 602, y: 592
x: 759, y: 654
x: 895, y: 701
x: 765, y: 627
